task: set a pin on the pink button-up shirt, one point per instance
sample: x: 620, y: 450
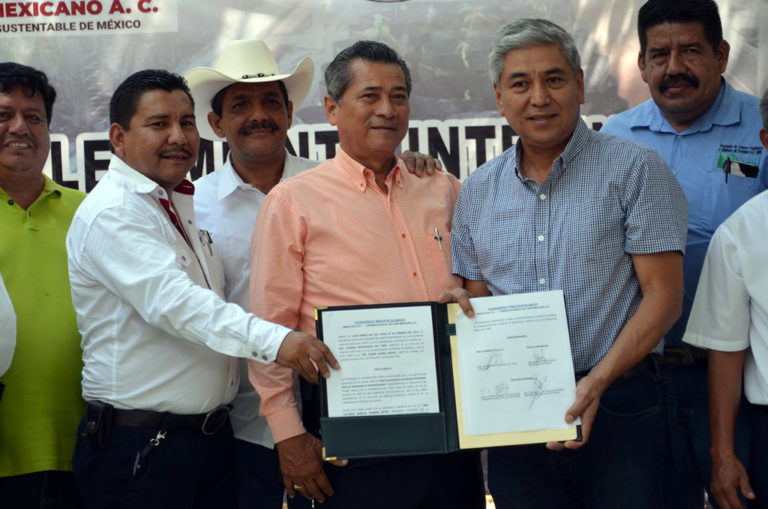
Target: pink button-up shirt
x: 331, y: 237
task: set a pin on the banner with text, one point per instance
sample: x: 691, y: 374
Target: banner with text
x: 87, y: 17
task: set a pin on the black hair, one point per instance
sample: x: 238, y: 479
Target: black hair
x: 14, y: 75
x: 125, y: 100
x: 657, y: 12
x: 337, y: 75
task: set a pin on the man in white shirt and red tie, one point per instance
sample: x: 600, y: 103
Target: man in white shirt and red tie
x: 159, y: 341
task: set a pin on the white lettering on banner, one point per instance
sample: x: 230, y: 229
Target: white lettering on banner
x: 461, y: 145
x: 85, y: 17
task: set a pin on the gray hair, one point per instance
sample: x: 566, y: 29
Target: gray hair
x: 526, y: 33
x: 764, y: 108
x: 337, y: 75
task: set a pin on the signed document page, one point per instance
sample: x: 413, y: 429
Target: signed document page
x: 387, y: 358
x: 516, y: 372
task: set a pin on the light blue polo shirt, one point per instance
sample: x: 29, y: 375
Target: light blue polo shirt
x: 729, y: 129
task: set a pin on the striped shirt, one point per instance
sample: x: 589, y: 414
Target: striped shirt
x: 606, y: 199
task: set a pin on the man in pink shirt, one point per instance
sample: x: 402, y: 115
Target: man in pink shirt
x: 358, y: 229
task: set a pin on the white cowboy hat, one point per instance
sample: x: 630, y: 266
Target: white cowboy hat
x: 248, y: 61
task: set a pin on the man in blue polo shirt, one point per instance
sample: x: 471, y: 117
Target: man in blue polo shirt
x: 707, y: 133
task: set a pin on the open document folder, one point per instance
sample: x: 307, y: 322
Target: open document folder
x: 422, y: 378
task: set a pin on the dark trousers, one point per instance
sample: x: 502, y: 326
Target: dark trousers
x: 259, y: 480
x: 688, y: 464
x: 40, y: 490
x: 758, y: 466
x: 619, y: 467
x: 186, y: 470
x: 449, y: 481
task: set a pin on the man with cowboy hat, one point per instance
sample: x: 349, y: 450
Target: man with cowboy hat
x: 249, y: 103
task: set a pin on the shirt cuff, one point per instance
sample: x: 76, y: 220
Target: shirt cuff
x: 285, y: 424
x: 267, y: 340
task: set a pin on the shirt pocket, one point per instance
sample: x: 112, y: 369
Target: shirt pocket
x: 438, y: 249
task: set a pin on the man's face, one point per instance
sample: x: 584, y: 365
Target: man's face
x: 162, y: 141
x: 24, y: 138
x: 540, y: 95
x: 255, y: 120
x: 682, y: 71
x: 372, y: 117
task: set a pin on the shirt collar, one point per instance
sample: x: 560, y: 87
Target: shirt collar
x: 140, y: 183
x: 725, y: 111
x: 49, y: 186
x: 576, y: 144
x: 572, y: 149
x: 230, y: 181
x: 363, y: 177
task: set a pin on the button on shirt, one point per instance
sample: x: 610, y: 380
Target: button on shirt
x: 7, y: 329
x: 729, y: 129
x: 336, y: 239
x: 156, y: 333
x: 226, y: 207
x: 730, y: 312
x: 605, y: 200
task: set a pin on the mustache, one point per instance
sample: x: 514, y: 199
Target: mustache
x: 677, y: 78
x: 257, y: 125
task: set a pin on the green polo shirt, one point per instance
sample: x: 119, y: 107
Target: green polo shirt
x: 42, y: 403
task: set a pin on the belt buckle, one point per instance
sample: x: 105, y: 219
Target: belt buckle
x: 215, y: 419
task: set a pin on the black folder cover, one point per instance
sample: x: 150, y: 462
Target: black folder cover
x: 396, y: 435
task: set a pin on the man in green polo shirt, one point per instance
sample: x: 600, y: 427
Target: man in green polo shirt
x: 41, y: 404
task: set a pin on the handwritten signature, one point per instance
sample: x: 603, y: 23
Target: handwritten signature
x: 539, y: 386
x: 494, y: 360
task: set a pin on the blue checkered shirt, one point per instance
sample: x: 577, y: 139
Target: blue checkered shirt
x: 606, y: 199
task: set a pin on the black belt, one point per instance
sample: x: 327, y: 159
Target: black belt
x: 208, y: 423
x: 682, y: 356
x: 645, y: 367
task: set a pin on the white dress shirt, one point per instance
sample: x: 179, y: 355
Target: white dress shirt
x: 7, y: 329
x: 157, y: 334
x: 227, y: 207
x: 730, y: 310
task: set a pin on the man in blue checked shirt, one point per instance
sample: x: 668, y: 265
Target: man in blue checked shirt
x: 602, y: 219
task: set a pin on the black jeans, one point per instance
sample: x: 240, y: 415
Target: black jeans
x: 619, y: 466
x: 186, y: 470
